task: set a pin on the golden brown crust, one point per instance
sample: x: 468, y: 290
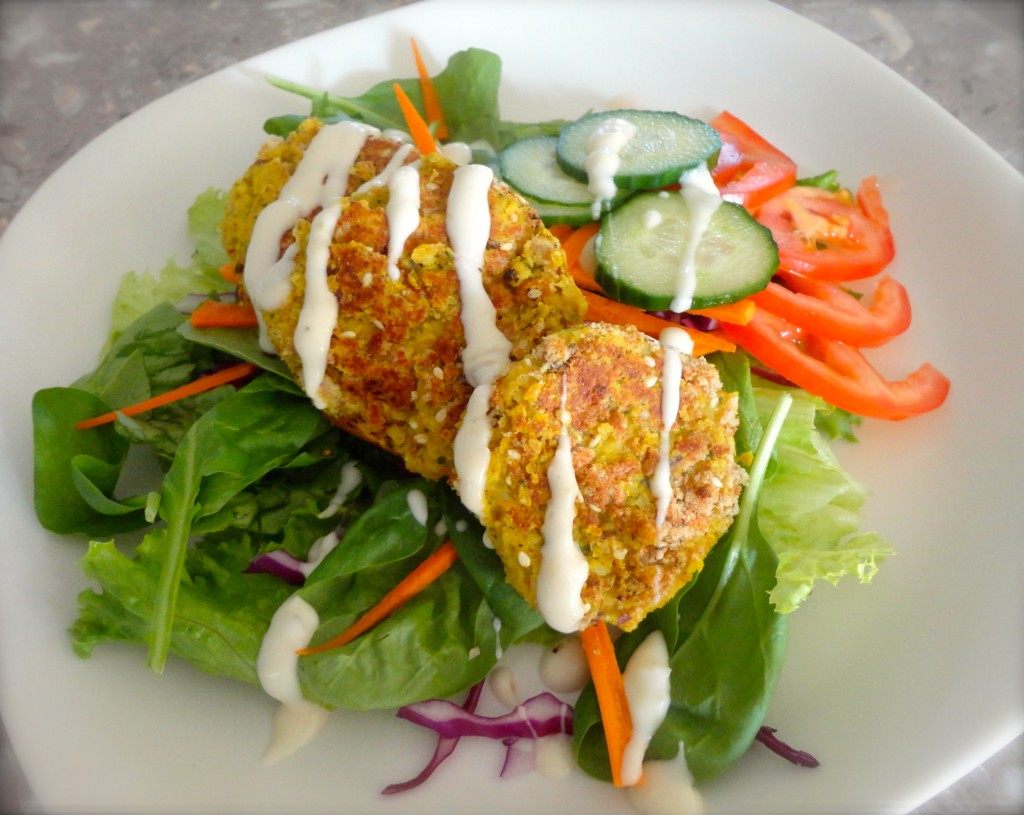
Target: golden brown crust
x: 612, y: 380
x: 394, y: 374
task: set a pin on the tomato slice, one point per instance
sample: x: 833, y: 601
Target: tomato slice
x: 828, y: 235
x: 837, y: 372
x: 828, y: 310
x: 750, y: 170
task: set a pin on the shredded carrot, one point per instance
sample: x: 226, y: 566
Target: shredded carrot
x: 611, y: 693
x: 204, y: 383
x: 561, y: 231
x: 230, y: 274
x: 431, y: 101
x: 739, y: 313
x: 575, y: 243
x: 604, y: 310
x: 418, y: 579
x: 418, y: 128
x: 217, y: 314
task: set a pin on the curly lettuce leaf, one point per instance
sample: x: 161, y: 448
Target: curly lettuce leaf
x: 811, y: 509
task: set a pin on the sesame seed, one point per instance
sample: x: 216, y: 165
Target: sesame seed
x: 619, y: 553
x: 716, y: 481
x: 474, y: 652
x: 438, y: 373
x: 514, y: 455
x: 650, y: 362
x: 524, y: 560
x: 430, y: 185
x: 367, y: 279
x: 348, y: 335
x: 420, y: 438
x: 651, y: 381
x: 533, y: 294
x: 441, y: 415
x: 508, y: 246
x: 413, y: 424
x: 379, y: 324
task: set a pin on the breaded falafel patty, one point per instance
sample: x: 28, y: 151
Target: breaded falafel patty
x: 610, y: 380
x: 394, y: 373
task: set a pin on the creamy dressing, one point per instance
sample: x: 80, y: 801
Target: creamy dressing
x: 384, y: 177
x: 417, y: 506
x: 674, y: 343
x: 603, y: 159
x: 486, y: 353
x: 297, y: 720
x: 563, y: 667
x: 351, y: 478
x: 319, y: 180
x: 563, y: 568
x: 320, y: 549
x: 667, y: 789
x: 646, y: 681
x: 403, y: 213
x: 319, y: 314
x: 702, y: 201
x: 457, y: 152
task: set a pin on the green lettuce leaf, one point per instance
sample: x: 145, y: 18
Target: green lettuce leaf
x: 811, y: 510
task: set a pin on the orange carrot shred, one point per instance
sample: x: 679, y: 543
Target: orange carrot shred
x: 217, y: 314
x: 604, y: 310
x: 611, y: 693
x: 575, y: 243
x: 561, y: 231
x: 418, y: 579
x: 204, y: 383
x: 418, y: 128
x: 229, y: 273
x: 431, y: 101
x: 739, y: 313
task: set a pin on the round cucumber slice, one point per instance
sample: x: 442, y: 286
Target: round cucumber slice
x: 664, y: 145
x: 642, y: 248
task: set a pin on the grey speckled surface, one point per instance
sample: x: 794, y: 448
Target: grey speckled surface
x: 69, y: 69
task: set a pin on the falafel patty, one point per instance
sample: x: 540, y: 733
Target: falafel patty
x: 394, y: 374
x: 603, y: 384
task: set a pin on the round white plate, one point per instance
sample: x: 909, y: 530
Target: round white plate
x: 898, y: 687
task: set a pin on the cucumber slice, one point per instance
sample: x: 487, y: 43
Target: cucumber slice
x: 569, y: 214
x: 641, y: 250
x: 530, y: 165
x: 665, y: 145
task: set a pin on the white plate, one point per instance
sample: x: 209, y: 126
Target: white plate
x: 899, y: 687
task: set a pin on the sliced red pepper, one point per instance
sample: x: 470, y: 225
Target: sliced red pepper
x: 750, y: 170
x: 829, y: 236
x: 837, y: 372
x: 828, y: 310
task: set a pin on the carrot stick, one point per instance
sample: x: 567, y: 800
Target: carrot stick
x: 217, y: 314
x: 418, y: 129
x: 229, y: 273
x: 417, y: 580
x: 574, y: 244
x: 561, y: 231
x: 431, y: 101
x: 603, y: 310
x: 739, y: 313
x: 611, y: 693
x: 204, y: 383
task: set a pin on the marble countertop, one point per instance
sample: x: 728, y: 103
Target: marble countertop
x: 71, y: 69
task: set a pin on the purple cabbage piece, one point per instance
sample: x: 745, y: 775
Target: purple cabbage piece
x: 541, y: 715
x: 445, y: 747
x: 278, y: 563
x: 766, y: 735
x: 695, y: 321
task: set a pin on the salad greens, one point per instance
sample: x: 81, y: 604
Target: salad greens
x: 236, y: 472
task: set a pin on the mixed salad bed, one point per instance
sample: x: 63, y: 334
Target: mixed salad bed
x: 252, y: 477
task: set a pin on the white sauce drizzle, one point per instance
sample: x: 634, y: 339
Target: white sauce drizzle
x: 702, y: 201
x: 320, y: 179
x: 385, y: 175
x: 320, y: 549
x: 417, y: 506
x: 667, y: 789
x: 563, y: 667
x: 403, y: 213
x: 603, y: 159
x: 646, y: 681
x: 351, y: 478
x: 674, y: 343
x: 486, y: 354
x: 457, y: 152
x: 297, y: 720
x: 563, y: 568
x: 319, y: 314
